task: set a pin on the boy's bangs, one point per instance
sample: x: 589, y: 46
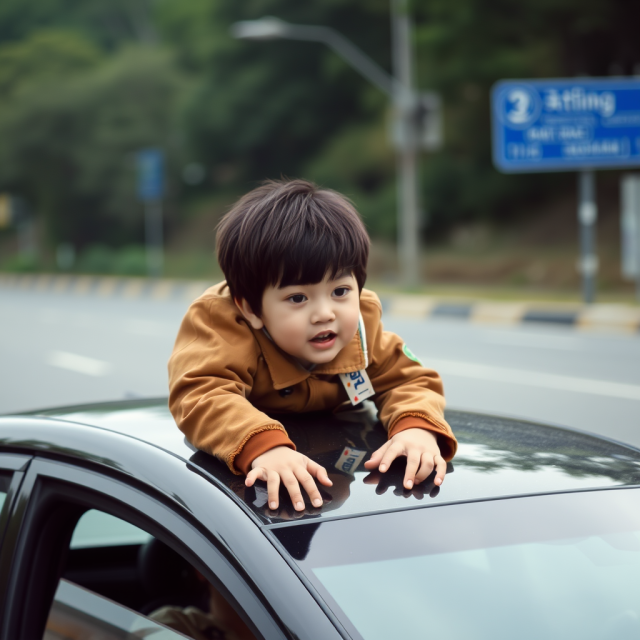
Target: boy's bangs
x: 312, y: 258
x: 290, y: 233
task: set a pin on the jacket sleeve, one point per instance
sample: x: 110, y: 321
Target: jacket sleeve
x: 211, y: 372
x: 404, y: 388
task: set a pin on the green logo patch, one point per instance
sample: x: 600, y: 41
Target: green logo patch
x: 412, y: 356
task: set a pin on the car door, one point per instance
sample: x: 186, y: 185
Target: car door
x: 44, y: 510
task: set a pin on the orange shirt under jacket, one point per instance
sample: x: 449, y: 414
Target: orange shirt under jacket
x: 224, y: 376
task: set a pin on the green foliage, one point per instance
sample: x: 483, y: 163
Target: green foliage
x: 70, y: 135
x: 464, y: 46
x: 43, y: 56
x: 21, y: 264
x: 96, y: 258
x: 360, y: 163
x: 269, y: 107
x: 131, y: 261
x: 87, y: 83
x: 108, y: 23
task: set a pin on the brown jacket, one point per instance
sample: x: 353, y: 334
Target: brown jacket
x: 223, y: 375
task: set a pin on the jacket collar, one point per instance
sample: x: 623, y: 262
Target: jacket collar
x: 285, y: 371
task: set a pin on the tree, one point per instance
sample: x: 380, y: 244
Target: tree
x: 87, y: 82
x: 269, y: 107
x: 464, y: 46
x: 70, y: 131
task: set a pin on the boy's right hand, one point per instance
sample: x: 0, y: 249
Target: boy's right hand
x: 293, y: 469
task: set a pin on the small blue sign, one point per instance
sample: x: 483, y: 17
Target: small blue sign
x: 150, y: 174
x: 565, y: 125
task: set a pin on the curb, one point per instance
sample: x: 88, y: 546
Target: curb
x: 105, y: 286
x: 618, y: 318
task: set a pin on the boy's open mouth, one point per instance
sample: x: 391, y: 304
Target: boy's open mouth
x: 326, y: 336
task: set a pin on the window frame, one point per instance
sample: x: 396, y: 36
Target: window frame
x: 16, y: 465
x: 53, y: 496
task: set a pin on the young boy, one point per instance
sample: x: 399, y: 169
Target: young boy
x: 292, y: 329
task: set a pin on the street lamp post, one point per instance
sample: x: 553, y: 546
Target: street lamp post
x: 405, y: 103
x: 399, y: 89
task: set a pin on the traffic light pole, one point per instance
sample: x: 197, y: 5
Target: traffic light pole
x: 407, y: 161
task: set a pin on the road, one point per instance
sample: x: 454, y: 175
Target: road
x: 59, y: 349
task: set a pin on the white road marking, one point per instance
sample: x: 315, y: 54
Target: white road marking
x: 535, y: 379
x: 79, y: 364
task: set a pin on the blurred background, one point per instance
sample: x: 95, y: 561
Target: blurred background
x: 86, y: 85
x: 127, y: 121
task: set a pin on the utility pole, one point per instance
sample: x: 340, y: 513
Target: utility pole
x: 417, y: 118
x: 405, y: 104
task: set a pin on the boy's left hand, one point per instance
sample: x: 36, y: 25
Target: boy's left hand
x: 422, y: 451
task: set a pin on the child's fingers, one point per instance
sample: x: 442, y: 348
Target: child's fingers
x: 376, y: 456
x: 441, y: 469
x: 273, y: 487
x: 413, y: 462
x: 319, y: 472
x: 255, y: 474
x: 426, y: 467
x: 393, y: 451
x: 291, y: 483
x: 306, y: 480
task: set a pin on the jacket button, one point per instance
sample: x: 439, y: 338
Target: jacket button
x: 286, y: 392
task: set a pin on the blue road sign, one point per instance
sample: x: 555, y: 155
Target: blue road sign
x: 565, y: 125
x: 150, y: 174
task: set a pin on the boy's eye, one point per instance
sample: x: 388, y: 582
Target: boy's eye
x: 340, y: 292
x: 298, y: 298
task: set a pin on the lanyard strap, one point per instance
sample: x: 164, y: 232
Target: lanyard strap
x: 363, y: 341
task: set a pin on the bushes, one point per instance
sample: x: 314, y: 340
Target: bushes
x: 101, y: 259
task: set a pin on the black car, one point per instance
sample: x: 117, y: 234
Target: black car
x: 109, y: 516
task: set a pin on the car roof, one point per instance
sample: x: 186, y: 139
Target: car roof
x: 497, y: 457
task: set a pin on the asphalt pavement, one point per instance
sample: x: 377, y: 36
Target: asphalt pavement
x: 59, y: 348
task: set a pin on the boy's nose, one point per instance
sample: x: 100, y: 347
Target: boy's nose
x: 323, y: 313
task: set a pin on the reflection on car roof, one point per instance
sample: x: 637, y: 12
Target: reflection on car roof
x: 497, y: 457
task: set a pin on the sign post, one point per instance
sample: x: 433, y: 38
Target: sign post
x: 630, y: 228
x: 580, y: 124
x: 587, y: 217
x: 150, y: 191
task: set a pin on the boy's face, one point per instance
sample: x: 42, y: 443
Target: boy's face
x: 311, y: 322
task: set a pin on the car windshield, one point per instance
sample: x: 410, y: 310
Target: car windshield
x: 555, y: 566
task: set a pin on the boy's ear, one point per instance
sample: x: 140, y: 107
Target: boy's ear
x: 245, y: 310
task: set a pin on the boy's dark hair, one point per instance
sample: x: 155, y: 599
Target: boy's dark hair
x: 289, y: 232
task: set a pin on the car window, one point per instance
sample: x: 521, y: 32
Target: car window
x: 98, y: 529
x: 120, y: 582
x: 77, y: 614
x: 555, y: 566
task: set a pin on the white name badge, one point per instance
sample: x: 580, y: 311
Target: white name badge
x: 357, y: 385
x: 349, y: 460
